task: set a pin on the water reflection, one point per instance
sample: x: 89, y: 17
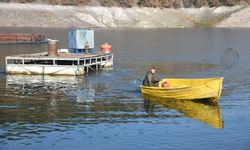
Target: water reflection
x: 40, y: 99
x: 52, y: 87
x: 201, y: 110
x: 65, y: 99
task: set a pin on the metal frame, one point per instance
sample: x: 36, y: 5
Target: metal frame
x: 94, y: 63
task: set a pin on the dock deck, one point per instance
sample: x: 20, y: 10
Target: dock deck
x: 63, y: 64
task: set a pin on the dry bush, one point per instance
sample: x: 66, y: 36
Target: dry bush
x: 23, y: 1
x: 246, y: 1
x: 107, y: 3
x: 201, y: 3
x: 214, y: 3
x: 228, y: 2
x: 72, y: 2
x: 167, y: 3
x: 151, y: 3
x: 54, y: 2
x: 83, y: 2
x: 125, y: 3
x: 140, y: 2
x: 68, y: 2
x: 178, y: 4
x: 187, y: 3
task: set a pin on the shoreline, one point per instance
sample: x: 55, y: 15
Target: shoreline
x: 54, y: 16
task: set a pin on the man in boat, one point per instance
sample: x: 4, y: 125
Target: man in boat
x: 150, y: 79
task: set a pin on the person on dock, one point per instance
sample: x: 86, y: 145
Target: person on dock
x: 150, y: 79
x: 86, y: 47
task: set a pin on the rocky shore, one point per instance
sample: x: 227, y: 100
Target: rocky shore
x: 42, y: 15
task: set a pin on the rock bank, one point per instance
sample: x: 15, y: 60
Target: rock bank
x: 41, y: 15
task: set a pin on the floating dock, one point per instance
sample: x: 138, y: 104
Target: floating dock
x: 64, y: 64
x: 78, y: 59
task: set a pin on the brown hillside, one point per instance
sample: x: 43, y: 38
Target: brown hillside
x: 140, y: 3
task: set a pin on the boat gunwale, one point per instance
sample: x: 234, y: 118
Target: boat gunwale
x: 183, y: 87
x: 161, y: 88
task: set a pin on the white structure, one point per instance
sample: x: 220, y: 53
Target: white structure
x: 64, y: 64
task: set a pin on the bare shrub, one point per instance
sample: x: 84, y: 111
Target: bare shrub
x: 107, y: 3
x: 84, y: 2
x: 125, y: 3
x: 151, y: 3
x: 167, y: 3
x: 178, y: 4
x: 187, y: 3
x: 55, y: 2
x: 228, y: 2
x: 200, y: 3
x: 214, y: 3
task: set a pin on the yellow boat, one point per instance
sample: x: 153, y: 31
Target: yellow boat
x: 187, y: 89
x: 203, y: 111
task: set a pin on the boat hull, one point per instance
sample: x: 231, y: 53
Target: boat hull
x: 188, y: 89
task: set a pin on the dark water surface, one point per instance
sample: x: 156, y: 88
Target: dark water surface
x: 105, y: 110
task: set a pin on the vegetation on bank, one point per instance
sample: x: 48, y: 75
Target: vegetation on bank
x: 140, y: 3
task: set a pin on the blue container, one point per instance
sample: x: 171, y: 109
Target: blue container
x: 78, y: 38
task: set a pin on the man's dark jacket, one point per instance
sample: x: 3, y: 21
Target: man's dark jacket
x: 150, y: 79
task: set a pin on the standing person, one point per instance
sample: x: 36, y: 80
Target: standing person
x: 86, y: 47
x: 150, y: 79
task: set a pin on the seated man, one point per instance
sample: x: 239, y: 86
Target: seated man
x: 150, y: 79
